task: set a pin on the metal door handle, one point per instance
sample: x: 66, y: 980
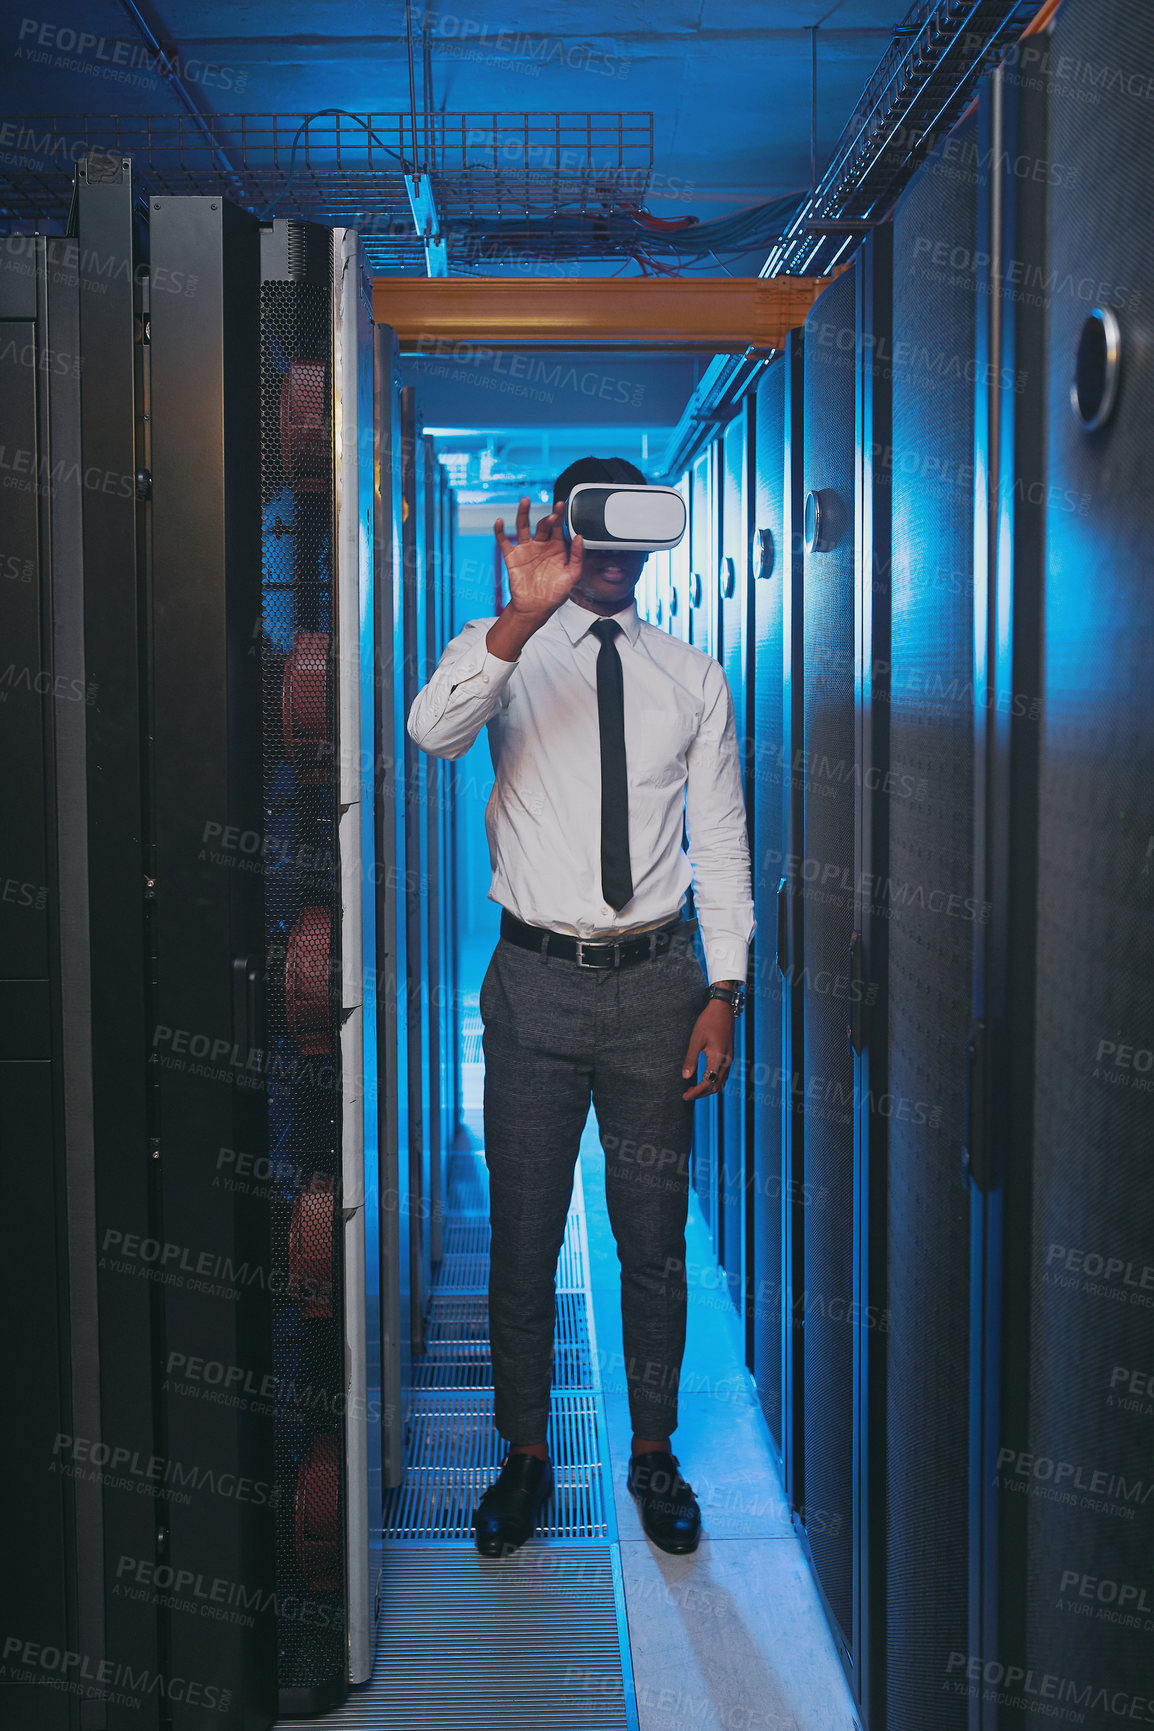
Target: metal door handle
x: 783, y: 928
x: 975, y: 1139
x: 248, y: 1006
x: 854, y: 1040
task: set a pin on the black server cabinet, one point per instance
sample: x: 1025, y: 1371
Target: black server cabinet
x: 924, y: 897
x: 701, y: 629
x: 840, y: 932
x: 677, y: 602
x: 824, y: 887
x: 450, y: 1014
x: 206, y: 907
x: 74, y: 1026
x: 1071, y: 1477
x: 414, y: 617
x: 126, y: 1062
x: 134, y: 1001
x: 729, y: 576
x: 391, y: 764
x: 301, y: 785
x: 867, y: 971
x: 774, y: 804
x: 1012, y: 473
x: 113, y: 531
x: 437, y: 924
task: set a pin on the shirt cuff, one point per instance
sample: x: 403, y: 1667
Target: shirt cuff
x: 726, y: 961
x: 486, y: 668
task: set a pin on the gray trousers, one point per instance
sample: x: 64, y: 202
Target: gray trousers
x: 556, y: 1035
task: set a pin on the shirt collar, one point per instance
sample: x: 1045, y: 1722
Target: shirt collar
x: 577, y: 620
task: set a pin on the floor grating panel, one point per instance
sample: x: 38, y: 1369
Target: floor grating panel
x: 454, y: 1452
x: 465, y: 1644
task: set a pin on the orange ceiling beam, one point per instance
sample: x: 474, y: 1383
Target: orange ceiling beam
x: 432, y: 315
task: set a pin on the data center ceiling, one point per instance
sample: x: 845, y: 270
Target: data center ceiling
x: 704, y: 110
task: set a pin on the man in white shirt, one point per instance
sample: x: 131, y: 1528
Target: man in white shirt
x: 608, y: 741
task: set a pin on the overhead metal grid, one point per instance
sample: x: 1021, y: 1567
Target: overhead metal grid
x: 923, y: 83
x: 348, y: 171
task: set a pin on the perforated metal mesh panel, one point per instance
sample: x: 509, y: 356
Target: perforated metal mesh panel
x: 766, y: 814
x: 931, y: 927
x: 1092, y: 1297
x: 826, y: 891
x: 303, y: 964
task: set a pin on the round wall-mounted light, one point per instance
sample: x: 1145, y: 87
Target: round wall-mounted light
x: 727, y: 575
x: 1094, y: 387
x: 824, y: 520
x: 696, y: 589
x: 762, y: 553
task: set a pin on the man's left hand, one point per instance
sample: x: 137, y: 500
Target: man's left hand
x: 712, y: 1038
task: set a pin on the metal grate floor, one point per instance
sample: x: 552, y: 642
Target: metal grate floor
x: 465, y: 1644
x: 454, y: 1453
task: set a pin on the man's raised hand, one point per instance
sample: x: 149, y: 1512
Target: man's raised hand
x: 541, y: 573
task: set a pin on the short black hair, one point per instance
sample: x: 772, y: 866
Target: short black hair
x: 617, y: 469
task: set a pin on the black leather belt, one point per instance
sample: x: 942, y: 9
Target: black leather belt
x: 621, y: 953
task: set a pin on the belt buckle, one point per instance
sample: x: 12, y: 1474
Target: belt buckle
x: 582, y: 963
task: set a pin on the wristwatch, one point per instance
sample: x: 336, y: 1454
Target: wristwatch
x: 734, y: 996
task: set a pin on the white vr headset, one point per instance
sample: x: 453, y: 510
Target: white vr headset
x: 632, y: 518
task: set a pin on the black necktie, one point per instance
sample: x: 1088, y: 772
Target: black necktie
x: 616, y: 877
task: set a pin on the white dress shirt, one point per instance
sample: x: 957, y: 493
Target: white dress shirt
x: 543, y: 819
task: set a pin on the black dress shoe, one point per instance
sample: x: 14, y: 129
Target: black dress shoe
x: 507, y: 1513
x: 668, y: 1507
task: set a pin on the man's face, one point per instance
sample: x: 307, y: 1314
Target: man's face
x: 608, y: 576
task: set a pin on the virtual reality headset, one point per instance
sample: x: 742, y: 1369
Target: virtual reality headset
x: 633, y: 519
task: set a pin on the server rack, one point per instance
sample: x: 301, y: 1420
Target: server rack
x: 677, y: 602
x: 826, y: 916
x: 653, y: 590
x: 203, y: 781
x: 451, y: 972
x: 436, y: 928
x: 72, y: 917
x: 867, y: 1033
x: 391, y: 767
x: 729, y: 576
x: 747, y: 733
x: 414, y: 627
x: 774, y: 804
x: 143, y: 580
x: 112, y: 554
x: 1011, y: 459
x: 353, y: 410
x: 190, y: 995
x: 925, y: 782
x: 1067, y: 1013
x: 701, y: 630
x: 303, y: 938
